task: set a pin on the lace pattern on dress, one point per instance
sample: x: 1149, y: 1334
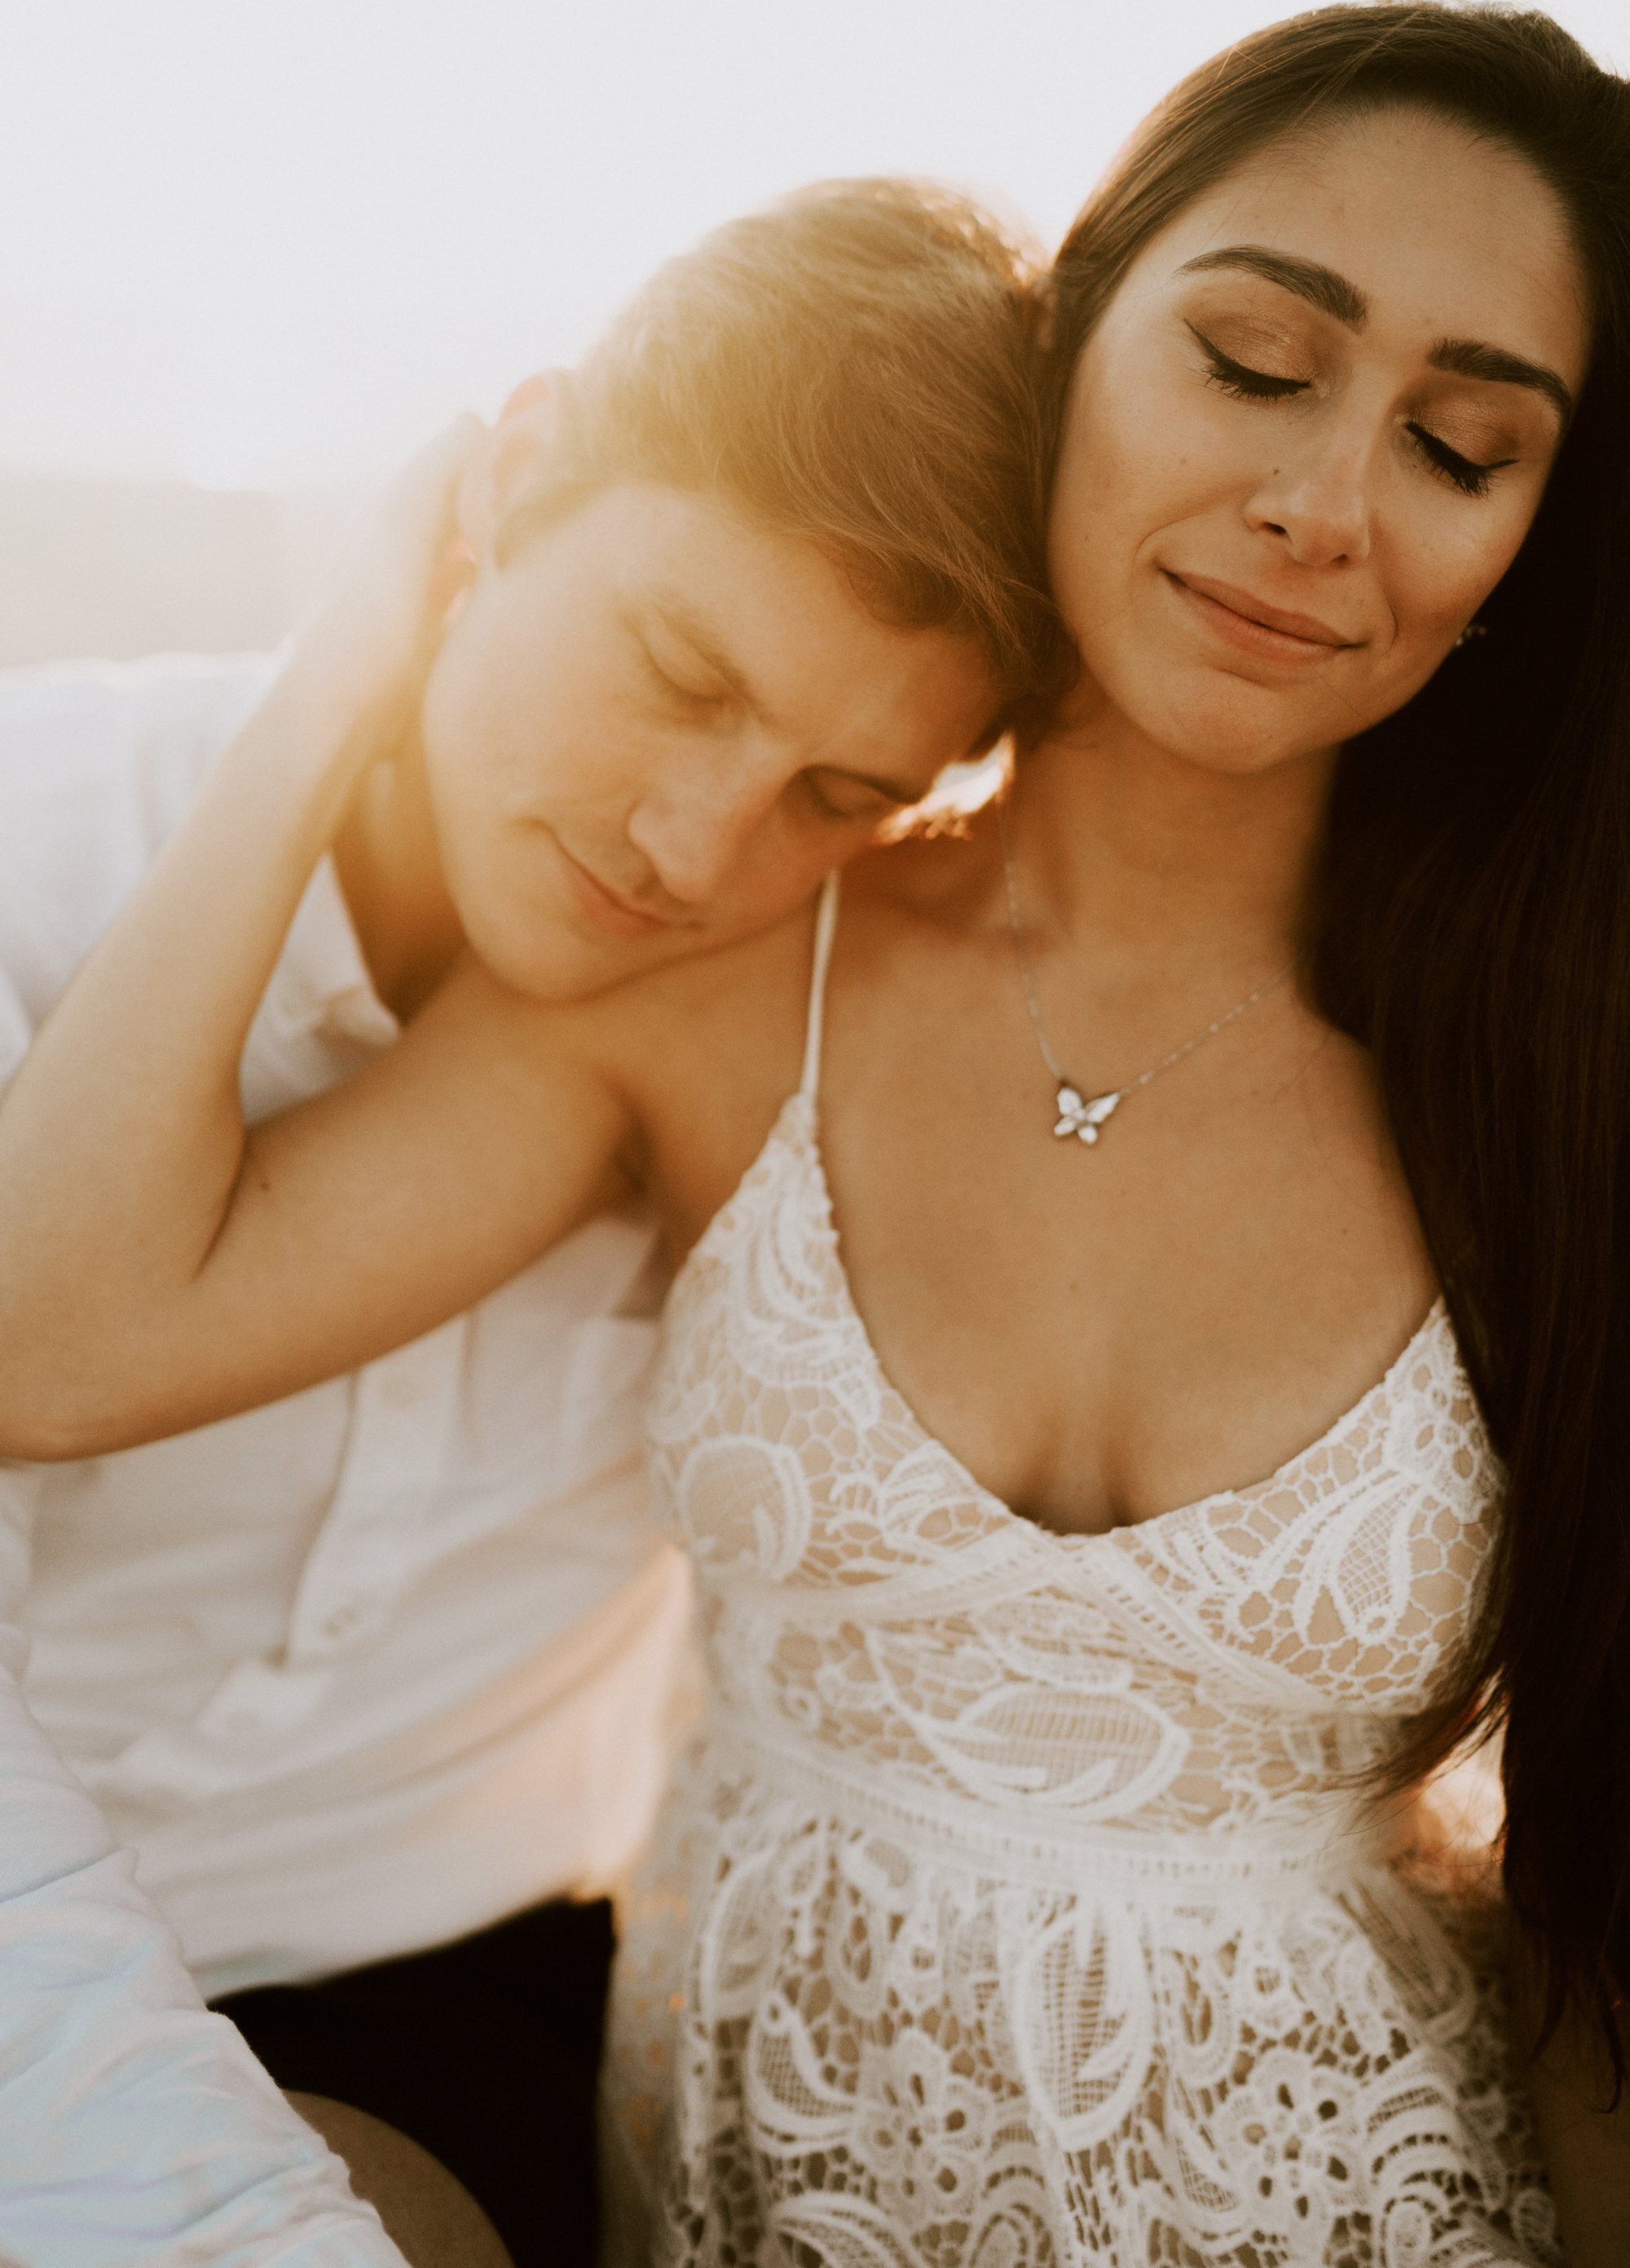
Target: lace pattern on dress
x: 1014, y: 1908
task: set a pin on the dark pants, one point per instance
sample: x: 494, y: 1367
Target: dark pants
x: 486, y: 2052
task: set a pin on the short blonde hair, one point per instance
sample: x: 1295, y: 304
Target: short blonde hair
x: 856, y: 365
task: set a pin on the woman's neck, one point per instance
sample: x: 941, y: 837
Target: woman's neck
x: 1147, y: 860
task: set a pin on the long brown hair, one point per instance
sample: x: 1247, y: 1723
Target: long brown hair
x: 1472, y: 929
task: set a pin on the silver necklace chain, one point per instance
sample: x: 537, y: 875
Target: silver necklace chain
x: 1078, y: 1114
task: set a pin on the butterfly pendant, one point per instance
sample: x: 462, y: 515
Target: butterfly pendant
x: 1080, y: 1117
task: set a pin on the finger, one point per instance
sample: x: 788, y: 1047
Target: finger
x: 422, y: 494
x: 445, y: 451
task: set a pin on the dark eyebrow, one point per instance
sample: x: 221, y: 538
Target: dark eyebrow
x: 681, y: 617
x: 1324, y: 288
x: 1471, y: 359
x: 1321, y: 286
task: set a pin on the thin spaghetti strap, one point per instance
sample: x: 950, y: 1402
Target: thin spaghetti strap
x: 826, y: 930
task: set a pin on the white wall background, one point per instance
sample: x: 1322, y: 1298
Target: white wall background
x: 258, y: 242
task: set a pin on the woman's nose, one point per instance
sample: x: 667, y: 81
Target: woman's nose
x: 1318, y: 501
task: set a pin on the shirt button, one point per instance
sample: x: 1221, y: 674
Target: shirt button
x: 401, y: 1392
x: 341, y: 1619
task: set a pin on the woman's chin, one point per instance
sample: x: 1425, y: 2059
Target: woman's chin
x: 1238, y: 730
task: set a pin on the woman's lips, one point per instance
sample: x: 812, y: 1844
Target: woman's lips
x: 1254, y: 626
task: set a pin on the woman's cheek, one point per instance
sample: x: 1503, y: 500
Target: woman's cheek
x: 1447, y: 584
x: 1428, y: 616
x: 1098, y: 524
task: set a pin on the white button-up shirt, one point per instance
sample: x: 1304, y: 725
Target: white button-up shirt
x: 380, y: 1664
x: 137, y: 2129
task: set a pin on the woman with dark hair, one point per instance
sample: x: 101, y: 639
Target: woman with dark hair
x: 1229, y: 1433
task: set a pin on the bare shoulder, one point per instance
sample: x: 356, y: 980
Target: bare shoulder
x: 702, y: 1054
x: 702, y: 1012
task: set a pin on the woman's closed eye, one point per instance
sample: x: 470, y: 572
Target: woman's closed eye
x: 1239, y: 378
x: 1469, y: 474
x: 1471, y: 477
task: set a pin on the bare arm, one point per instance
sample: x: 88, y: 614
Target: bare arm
x: 1586, y: 2145
x: 160, y: 1264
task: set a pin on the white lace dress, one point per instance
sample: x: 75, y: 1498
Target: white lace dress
x: 1011, y: 1908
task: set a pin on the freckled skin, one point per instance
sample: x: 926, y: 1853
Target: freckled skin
x: 1324, y: 503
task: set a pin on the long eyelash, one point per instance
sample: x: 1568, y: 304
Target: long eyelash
x: 1470, y: 478
x: 1248, y: 385
x: 1239, y: 379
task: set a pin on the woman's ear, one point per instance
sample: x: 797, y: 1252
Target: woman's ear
x: 522, y: 435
